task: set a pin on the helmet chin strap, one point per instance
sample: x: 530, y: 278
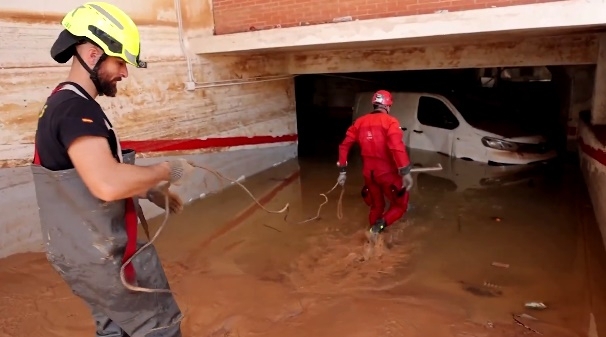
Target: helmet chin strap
x: 94, y: 73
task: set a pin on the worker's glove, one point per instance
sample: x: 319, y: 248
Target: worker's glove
x: 342, y: 174
x: 406, y: 177
x: 180, y: 170
x: 407, y: 182
x: 342, y: 178
x: 157, y: 195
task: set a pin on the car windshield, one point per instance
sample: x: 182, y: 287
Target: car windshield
x: 493, y: 116
x: 476, y: 111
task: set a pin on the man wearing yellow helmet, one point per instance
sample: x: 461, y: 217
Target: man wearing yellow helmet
x: 108, y: 28
x: 87, y: 187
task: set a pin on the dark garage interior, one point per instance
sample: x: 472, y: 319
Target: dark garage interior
x: 529, y: 99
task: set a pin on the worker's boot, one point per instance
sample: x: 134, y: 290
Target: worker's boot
x: 378, y: 227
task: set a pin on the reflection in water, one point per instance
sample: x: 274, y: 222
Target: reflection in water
x: 469, y: 219
x: 461, y: 175
x: 480, y: 242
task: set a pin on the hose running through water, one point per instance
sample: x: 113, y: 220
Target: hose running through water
x: 219, y: 176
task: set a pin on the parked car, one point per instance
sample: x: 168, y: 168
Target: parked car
x: 468, y: 129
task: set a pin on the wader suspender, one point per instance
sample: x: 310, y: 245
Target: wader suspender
x: 130, y: 214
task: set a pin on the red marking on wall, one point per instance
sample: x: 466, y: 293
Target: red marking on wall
x: 248, y: 211
x: 161, y: 145
x: 598, y: 154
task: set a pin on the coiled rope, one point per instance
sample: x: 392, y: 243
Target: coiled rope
x: 285, y: 209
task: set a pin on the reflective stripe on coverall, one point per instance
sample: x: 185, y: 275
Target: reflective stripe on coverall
x: 87, y: 239
x: 383, y: 153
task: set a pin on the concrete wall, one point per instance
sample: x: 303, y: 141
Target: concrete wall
x: 588, y: 108
x: 581, y: 96
x: 592, y: 155
x: 592, y: 146
x: 233, y: 16
x: 153, y: 113
x: 443, y: 28
x: 527, y: 51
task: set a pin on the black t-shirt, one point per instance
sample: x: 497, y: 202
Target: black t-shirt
x: 66, y: 116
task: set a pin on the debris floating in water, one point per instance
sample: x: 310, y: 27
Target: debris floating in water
x: 500, y: 265
x: 527, y: 317
x: 535, y: 305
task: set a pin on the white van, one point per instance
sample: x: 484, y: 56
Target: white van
x: 432, y: 122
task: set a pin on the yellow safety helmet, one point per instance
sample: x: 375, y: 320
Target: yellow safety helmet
x: 103, y: 24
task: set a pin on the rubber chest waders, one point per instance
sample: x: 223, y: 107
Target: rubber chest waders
x: 86, y: 239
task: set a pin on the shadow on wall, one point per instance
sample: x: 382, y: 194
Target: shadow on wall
x: 324, y: 110
x: 321, y: 123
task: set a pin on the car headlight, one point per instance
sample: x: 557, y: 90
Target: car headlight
x: 499, y: 144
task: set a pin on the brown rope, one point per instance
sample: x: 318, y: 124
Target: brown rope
x: 325, y: 196
x: 285, y: 209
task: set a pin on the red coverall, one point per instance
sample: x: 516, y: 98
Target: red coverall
x: 383, y: 153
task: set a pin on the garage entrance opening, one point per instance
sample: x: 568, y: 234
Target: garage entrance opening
x: 514, y: 103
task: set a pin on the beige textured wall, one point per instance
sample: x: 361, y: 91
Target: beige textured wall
x: 151, y: 104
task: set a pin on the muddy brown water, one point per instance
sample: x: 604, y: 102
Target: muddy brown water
x: 248, y: 273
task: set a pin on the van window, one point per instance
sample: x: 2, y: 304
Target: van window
x: 433, y: 112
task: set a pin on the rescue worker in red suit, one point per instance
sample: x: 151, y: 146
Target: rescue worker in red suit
x: 386, y: 166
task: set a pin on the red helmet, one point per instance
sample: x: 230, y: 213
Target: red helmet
x: 382, y: 97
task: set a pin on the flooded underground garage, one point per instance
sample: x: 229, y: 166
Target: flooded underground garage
x: 501, y: 118
x: 483, y: 250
